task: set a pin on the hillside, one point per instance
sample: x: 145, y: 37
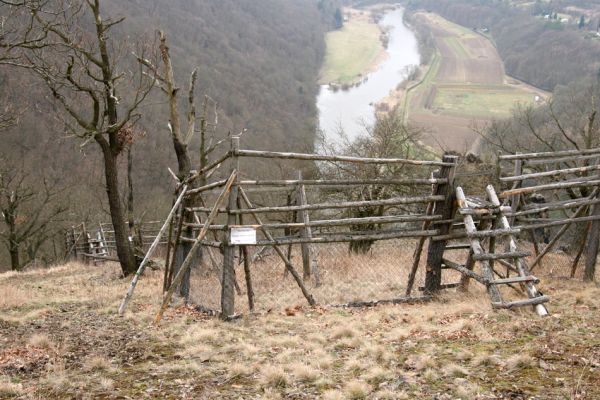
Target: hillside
x: 259, y: 61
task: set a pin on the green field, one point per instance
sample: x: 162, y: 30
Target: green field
x: 351, y: 51
x: 478, y: 100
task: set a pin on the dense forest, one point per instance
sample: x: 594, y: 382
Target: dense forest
x: 257, y: 64
x: 539, y: 51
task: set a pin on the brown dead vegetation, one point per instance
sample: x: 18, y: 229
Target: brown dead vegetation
x: 60, y: 337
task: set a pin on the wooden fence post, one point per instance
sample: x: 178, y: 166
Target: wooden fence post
x: 228, y: 279
x: 445, y: 208
x: 305, y: 232
x: 592, y: 249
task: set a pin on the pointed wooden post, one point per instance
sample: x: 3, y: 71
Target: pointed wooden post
x: 445, y: 208
x: 228, y: 278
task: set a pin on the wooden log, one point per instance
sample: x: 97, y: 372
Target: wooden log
x: 391, y: 219
x: 341, y: 182
x: 561, y: 205
x: 286, y: 261
x: 357, y: 160
x: 535, y: 301
x: 465, y: 271
x: 551, y: 154
x: 498, y: 256
x: 557, y: 172
x: 532, y: 292
x: 207, y: 187
x: 334, y: 205
x: 228, y: 280
x: 550, y: 186
x: 515, y: 279
x: 558, y: 223
x: 561, y: 160
x: 150, y: 251
x: 305, y: 232
x: 445, y: 208
x: 187, y: 263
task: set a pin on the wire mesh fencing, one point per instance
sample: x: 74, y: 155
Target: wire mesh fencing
x: 339, y: 276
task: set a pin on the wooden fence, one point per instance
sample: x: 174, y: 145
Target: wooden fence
x: 359, y: 201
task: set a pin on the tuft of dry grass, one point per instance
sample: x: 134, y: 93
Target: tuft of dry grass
x: 333, y: 395
x: 9, y: 389
x: 520, y: 361
x: 356, y: 390
x: 96, y: 363
x: 304, y: 373
x: 455, y: 371
x: 377, y: 375
x: 343, y: 332
x: 272, y: 376
x: 41, y: 341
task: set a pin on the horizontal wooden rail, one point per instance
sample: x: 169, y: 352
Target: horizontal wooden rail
x: 561, y: 205
x: 560, y: 160
x: 359, y: 160
x: 324, y: 206
x: 525, y: 156
x: 558, y: 223
x: 207, y: 187
x: 339, y: 222
x: 551, y: 186
x: 343, y: 182
x: 557, y: 172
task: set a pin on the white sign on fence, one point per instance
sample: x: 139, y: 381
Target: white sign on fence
x: 243, y: 235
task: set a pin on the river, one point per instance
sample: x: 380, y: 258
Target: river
x: 353, y: 108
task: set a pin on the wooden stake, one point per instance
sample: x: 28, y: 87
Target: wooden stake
x: 153, y: 247
x: 187, y: 263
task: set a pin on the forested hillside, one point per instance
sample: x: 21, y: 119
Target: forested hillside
x: 258, y: 61
x: 539, y: 51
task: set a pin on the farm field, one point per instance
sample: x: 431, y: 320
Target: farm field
x: 60, y: 337
x: 464, y: 85
x: 352, y: 51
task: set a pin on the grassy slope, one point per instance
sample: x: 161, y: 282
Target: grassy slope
x: 60, y: 338
x: 351, y: 51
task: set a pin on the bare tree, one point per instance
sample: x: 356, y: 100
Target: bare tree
x: 67, y: 44
x: 183, y: 130
x: 30, y: 213
x: 389, y: 137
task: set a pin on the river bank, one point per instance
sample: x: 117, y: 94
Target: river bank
x: 352, y: 110
x: 354, y: 51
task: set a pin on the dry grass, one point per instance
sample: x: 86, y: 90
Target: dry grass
x: 66, y: 341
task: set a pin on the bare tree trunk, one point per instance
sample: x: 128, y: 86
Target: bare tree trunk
x: 124, y: 250
x: 15, y: 263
